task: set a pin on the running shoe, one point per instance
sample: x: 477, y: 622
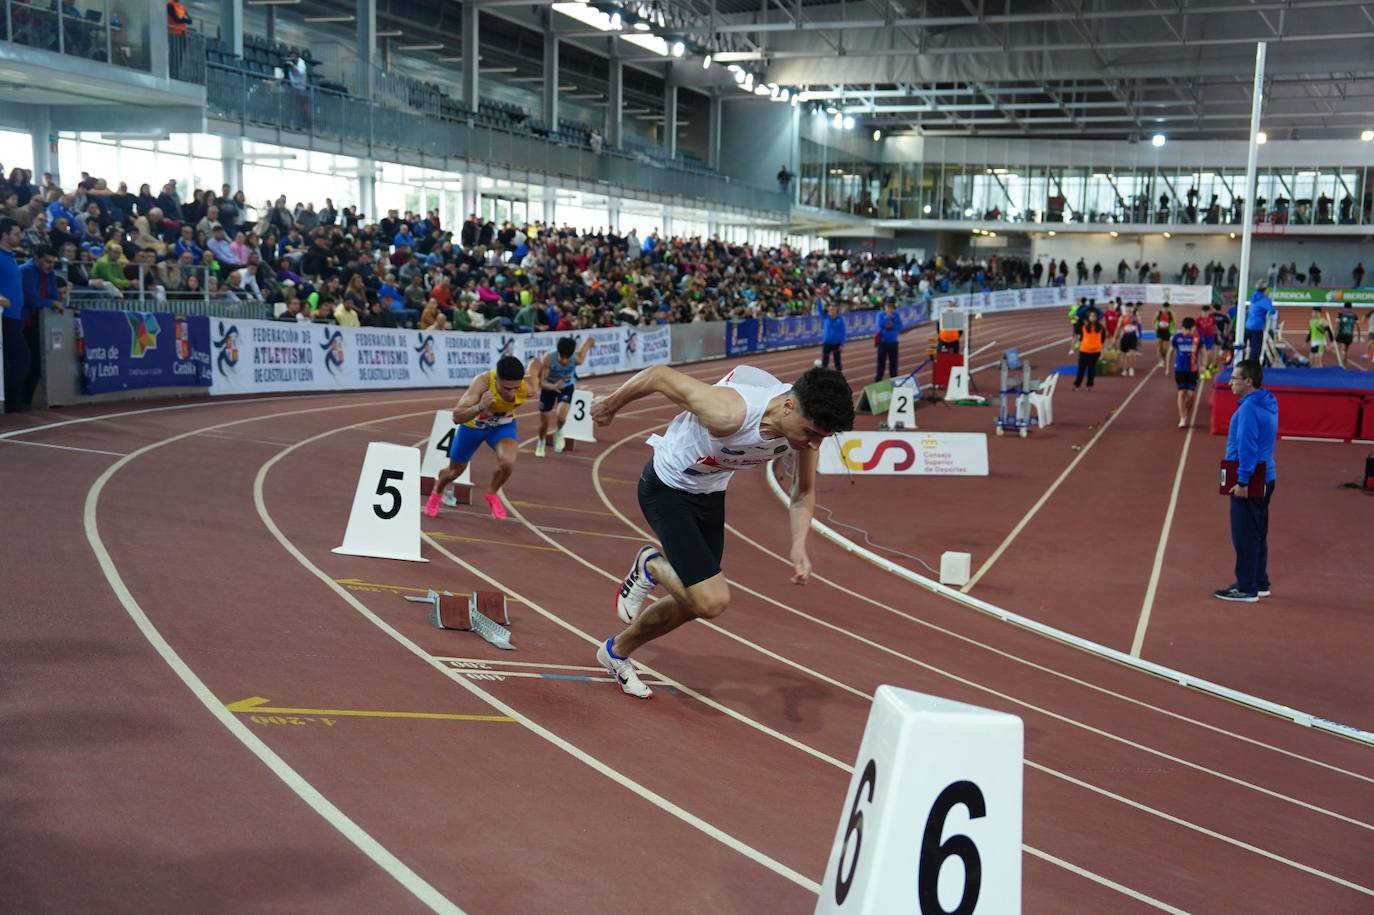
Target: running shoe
x: 1236, y: 594
x: 450, y: 498
x: 623, y: 669
x: 432, y: 506
x: 558, y: 440
x: 539, y: 447
x: 629, y: 598
x: 498, y: 511
x: 1264, y: 592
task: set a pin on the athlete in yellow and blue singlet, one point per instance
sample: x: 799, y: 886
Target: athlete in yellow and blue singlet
x: 486, y: 413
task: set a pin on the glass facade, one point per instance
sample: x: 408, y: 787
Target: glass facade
x: 110, y: 31
x: 1318, y: 194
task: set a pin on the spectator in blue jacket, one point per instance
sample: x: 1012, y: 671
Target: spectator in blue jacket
x: 16, y: 347
x: 889, y: 331
x: 1256, y: 320
x: 834, y: 337
x: 41, y: 289
x: 1250, y: 442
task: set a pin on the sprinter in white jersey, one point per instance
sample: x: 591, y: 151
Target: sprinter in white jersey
x: 745, y: 420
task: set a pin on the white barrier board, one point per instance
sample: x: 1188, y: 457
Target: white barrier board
x: 915, y: 453
x: 931, y: 823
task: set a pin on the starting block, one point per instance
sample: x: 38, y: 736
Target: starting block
x: 456, y: 494
x: 483, y: 612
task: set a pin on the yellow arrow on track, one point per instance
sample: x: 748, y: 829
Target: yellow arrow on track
x: 255, y: 705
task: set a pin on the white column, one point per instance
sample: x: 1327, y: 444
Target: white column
x: 713, y: 131
x: 615, y: 97
x: 471, y: 200
x: 550, y: 77
x: 471, y: 53
x: 613, y: 213
x: 550, y: 205
x: 231, y: 156
x: 230, y: 26
x: 365, y: 16
x: 667, y: 231
x: 669, y: 114
x: 1247, y: 230
x: 43, y: 139
x: 367, y: 189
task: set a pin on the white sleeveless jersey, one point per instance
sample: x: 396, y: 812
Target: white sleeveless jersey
x: 689, y: 458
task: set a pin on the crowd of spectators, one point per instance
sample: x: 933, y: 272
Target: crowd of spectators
x: 326, y: 264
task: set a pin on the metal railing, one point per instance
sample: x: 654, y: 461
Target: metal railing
x: 235, y: 95
x: 146, y: 292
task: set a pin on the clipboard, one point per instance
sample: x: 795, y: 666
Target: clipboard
x: 1230, y: 476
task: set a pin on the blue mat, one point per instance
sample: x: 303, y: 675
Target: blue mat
x: 1330, y: 378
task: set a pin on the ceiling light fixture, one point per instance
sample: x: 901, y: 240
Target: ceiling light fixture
x: 1157, y: 140
x: 706, y: 62
x: 1261, y: 138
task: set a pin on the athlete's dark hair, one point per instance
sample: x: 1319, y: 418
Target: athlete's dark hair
x: 826, y: 399
x: 566, y: 346
x: 1253, y: 370
x: 1188, y: 323
x: 508, y: 368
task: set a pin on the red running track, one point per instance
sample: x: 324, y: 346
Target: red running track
x: 202, y: 537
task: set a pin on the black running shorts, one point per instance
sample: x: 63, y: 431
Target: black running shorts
x: 689, y: 525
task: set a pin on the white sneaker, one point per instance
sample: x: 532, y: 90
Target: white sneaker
x: 1182, y: 423
x: 539, y: 447
x: 558, y: 440
x: 449, y: 499
x: 623, y: 671
x: 630, y: 596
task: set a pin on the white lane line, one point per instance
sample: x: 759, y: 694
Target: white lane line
x: 307, y: 792
x: 457, y: 676
x: 17, y: 441
x: 1102, y: 881
x: 969, y: 640
x: 1082, y: 453
x: 1148, y: 604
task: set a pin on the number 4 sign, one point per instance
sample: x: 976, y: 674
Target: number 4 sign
x: 932, y: 820
x: 385, y: 519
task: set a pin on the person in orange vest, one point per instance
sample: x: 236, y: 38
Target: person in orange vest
x: 1091, y: 335
x: 177, y: 19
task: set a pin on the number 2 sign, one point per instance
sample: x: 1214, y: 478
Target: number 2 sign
x: 932, y: 820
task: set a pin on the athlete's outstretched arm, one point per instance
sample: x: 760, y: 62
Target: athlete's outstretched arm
x: 474, y: 400
x: 720, y: 409
x: 534, y: 375
x: 585, y: 349
x: 800, y: 510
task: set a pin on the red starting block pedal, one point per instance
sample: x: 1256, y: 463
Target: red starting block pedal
x: 483, y: 612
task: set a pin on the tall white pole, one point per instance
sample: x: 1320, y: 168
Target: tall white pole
x: 1248, y: 228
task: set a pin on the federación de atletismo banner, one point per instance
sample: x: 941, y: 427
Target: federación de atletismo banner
x: 123, y: 350
x: 267, y: 356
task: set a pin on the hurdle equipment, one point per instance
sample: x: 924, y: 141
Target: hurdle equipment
x: 385, y: 519
x: 942, y: 774
x: 482, y: 612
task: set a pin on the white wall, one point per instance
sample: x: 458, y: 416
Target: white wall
x: 1337, y: 257
x: 756, y: 137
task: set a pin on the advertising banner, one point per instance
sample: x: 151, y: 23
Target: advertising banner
x: 911, y: 453
x: 266, y: 356
x: 741, y: 337
x: 1285, y: 295
x: 123, y: 350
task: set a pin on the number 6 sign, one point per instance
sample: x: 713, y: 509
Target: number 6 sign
x: 932, y: 820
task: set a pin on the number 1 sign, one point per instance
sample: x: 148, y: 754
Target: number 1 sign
x: 932, y: 820
x: 385, y: 520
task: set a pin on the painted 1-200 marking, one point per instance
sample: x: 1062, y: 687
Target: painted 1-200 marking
x: 295, y: 720
x: 934, y: 853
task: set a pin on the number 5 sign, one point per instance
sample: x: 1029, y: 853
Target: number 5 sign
x: 932, y: 820
x: 385, y: 519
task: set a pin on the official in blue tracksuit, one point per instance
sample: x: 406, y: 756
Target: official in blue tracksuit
x: 16, y: 348
x: 889, y: 332
x: 1249, y: 442
x: 835, y: 335
x: 1256, y: 320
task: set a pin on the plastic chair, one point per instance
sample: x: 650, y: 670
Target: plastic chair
x: 1042, y: 401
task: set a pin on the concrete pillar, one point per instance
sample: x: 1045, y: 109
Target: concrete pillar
x: 713, y: 131
x: 367, y: 189
x: 669, y: 114
x: 615, y: 98
x: 471, y: 53
x: 550, y: 112
x: 550, y: 205
x: 613, y: 214
x: 43, y: 138
x: 230, y: 26
x: 271, y: 22
x: 749, y: 233
x: 667, y: 231
x: 231, y: 156
x: 365, y: 17
x: 471, y: 200
x: 712, y: 227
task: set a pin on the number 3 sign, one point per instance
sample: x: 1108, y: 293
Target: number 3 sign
x: 932, y: 820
